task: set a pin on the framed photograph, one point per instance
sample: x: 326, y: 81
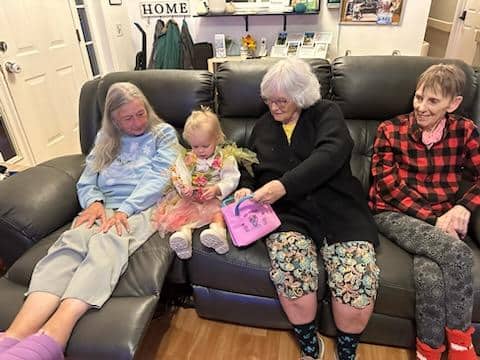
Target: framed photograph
x: 382, y: 12
x: 292, y: 48
x: 281, y: 38
x: 308, y: 37
x: 115, y: 2
x: 278, y: 51
x: 220, y: 48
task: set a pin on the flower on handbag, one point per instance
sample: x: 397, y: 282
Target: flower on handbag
x: 249, y: 42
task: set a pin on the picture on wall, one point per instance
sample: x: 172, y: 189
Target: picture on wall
x: 383, y: 12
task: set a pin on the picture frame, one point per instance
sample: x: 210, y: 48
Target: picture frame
x: 292, y: 48
x: 115, y: 2
x: 381, y: 12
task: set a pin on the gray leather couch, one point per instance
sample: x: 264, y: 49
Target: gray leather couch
x: 37, y: 204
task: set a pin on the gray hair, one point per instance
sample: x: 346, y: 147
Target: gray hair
x: 295, y: 78
x: 107, y: 145
x: 446, y: 79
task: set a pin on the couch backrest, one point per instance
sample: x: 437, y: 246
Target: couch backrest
x: 172, y: 93
x: 238, y: 93
x: 370, y: 89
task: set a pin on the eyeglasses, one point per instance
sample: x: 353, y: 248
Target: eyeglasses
x: 281, y: 102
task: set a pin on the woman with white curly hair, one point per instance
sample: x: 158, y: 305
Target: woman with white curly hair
x: 304, y: 148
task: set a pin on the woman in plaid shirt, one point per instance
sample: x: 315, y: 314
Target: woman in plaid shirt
x: 418, y: 162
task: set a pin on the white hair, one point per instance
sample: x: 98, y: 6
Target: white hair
x: 107, y: 145
x: 295, y: 78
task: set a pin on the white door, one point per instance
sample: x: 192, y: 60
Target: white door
x: 43, y: 46
x: 464, y: 39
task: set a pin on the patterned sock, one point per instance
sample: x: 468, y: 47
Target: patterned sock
x: 347, y: 345
x: 306, y: 335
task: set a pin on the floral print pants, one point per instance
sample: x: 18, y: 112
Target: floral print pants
x: 352, y: 271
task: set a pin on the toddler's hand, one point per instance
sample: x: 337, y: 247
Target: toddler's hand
x: 186, y: 192
x: 210, y: 192
x: 240, y: 193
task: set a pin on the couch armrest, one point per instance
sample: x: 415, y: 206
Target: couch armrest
x: 35, y: 202
x: 474, y: 226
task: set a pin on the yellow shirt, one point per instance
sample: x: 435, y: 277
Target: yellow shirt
x: 288, y: 128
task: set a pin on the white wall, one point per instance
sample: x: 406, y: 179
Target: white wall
x: 438, y: 41
x: 111, y: 27
x: 359, y: 39
x: 439, y: 26
x: 443, y: 9
x: 377, y: 40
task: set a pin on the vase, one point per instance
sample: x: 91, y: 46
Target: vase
x: 243, y: 52
x: 216, y: 6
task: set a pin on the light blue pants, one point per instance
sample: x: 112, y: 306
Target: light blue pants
x: 86, y: 264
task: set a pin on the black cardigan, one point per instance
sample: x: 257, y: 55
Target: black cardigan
x: 324, y: 199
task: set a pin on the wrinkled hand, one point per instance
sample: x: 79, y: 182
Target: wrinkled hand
x: 270, y: 192
x: 88, y: 216
x: 210, y: 192
x: 240, y: 193
x: 119, y: 219
x: 455, y: 221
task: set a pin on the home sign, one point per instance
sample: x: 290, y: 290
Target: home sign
x: 165, y: 8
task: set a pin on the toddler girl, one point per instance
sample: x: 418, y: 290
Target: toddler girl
x: 202, y: 177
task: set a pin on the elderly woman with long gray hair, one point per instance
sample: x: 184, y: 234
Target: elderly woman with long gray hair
x: 304, y: 148
x: 126, y: 173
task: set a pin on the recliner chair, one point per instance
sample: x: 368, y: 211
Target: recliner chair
x: 38, y: 204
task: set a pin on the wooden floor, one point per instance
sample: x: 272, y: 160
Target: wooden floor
x: 183, y: 335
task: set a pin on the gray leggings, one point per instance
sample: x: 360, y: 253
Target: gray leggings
x: 442, y: 270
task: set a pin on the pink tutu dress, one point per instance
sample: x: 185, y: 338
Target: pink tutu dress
x: 173, y: 211
x: 221, y: 169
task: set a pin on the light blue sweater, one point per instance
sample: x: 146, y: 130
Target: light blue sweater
x: 138, y: 176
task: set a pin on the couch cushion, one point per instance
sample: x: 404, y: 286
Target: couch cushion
x: 21, y: 271
x: 241, y: 270
x: 100, y: 334
x: 396, y: 294
x: 363, y: 134
x: 476, y: 281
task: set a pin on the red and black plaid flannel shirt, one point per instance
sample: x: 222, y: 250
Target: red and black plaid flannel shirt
x: 420, y: 182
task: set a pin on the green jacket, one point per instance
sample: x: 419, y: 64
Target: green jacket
x: 167, y: 48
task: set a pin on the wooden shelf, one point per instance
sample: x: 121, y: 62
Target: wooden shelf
x: 247, y: 14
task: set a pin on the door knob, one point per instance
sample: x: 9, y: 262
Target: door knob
x: 3, y: 46
x: 12, y: 67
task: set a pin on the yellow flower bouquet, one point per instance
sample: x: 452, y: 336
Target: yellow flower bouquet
x: 249, y: 45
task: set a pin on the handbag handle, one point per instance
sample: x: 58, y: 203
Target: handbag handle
x: 237, y: 207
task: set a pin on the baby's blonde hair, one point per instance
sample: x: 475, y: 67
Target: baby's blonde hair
x: 203, y: 119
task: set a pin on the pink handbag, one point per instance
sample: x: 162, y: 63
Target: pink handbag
x: 248, y: 221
